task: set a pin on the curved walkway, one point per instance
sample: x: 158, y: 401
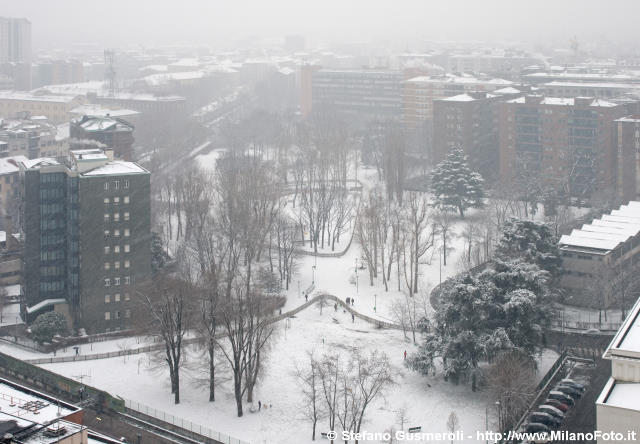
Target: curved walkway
x: 149, y: 348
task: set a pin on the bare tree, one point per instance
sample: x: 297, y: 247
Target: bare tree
x: 511, y: 381
x: 402, y: 416
x: 444, y: 227
x: 168, y: 304
x: 309, y: 380
x: 419, y: 236
x: 453, y: 424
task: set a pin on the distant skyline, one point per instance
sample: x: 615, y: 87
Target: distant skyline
x: 118, y: 23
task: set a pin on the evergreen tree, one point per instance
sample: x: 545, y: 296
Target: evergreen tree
x: 47, y: 325
x: 158, y: 256
x: 454, y: 184
x: 504, y: 308
x: 532, y: 242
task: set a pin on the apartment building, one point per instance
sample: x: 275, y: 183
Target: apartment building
x: 566, y: 143
x: 55, y: 107
x: 87, y: 237
x: 628, y: 158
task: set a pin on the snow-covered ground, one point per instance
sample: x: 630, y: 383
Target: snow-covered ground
x: 429, y: 400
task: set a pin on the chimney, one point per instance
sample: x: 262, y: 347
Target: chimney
x: 109, y: 154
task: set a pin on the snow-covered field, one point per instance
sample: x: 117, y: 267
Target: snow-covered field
x: 429, y: 400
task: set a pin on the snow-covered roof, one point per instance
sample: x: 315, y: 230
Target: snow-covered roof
x: 620, y: 394
x: 566, y: 101
x: 626, y: 343
x: 459, y: 98
x: 25, y: 96
x: 595, y: 85
x: 507, y: 90
x: 9, y: 165
x: 460, y: 79
x: 101, y: 111
x: 116, y: 167
x: 161, y: 79
x: 607, y: 232
x: 12, y: 290
x: 46, y: 303
x: 39, y: 162
x: 630, y: 119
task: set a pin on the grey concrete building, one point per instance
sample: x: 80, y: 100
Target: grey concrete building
x: 87, y: 238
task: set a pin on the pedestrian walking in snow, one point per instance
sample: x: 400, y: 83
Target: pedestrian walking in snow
x: 306, y: 298
x: 352, y: 301
x: 348, y: 301
x: 259, y: 405
x: 353, y: 318
x: 405, y: 354
x: 335, y: 307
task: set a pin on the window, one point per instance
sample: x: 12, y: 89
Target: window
x: 106, y: 217
x: 107, y: 298
x: 107, y: 265
x: 126, y: 199
x: 107, y: 315
x: 106, y: 201
x: 116, y: 217
x: 107, y: 282
x: 127, y: 280
x: 117, y: 297
x: 106, y: 250
x: 126, y: 215
x: 116, y: 184
x: 127, y: 313
x: 116, y: 233
x: 117, y: 281
x: 106, y: 186
x: 126, y: 183
x: 126, y: 232
x: 116, y: 200
x: 106, y: 233
x: 116, y: 249
x: 117, y: 314
x: 126, y: 248
x: 116, y: 265
x: 127, y: 297
x: 126, y: 264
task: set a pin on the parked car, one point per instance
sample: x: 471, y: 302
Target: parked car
x: 564, y: 408
x: 568, y: 390
x: 536, y: 427
x: 572, y: 383
x: 562, y: 397
x: 551, y: 410
x: 544, y: 418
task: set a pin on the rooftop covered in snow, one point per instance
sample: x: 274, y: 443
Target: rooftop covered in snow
x: 607, y: 232
x: 116, y: 167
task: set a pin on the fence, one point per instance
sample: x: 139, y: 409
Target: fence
x: 180, y: 422
x: 559, y: 324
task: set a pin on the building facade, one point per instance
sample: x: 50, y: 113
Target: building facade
x: 567, y: 144
x: 618, y: 406
x: 468, y: 121
x: 87, y: 237
x: 56, y: 108
x: 15, y: 40
x: 601, y: 259
x: 628, y: 158
x: 114, y: 133
x: 365, y: 95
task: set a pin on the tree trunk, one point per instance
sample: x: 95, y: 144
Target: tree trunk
x: 212, y: 373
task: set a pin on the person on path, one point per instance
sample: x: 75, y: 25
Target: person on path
x: 353, y: 318
x: 306, y: 298
x: 259, y: 405
x: 335, y: 307
x: 352, y: 301
x: 405, y: 354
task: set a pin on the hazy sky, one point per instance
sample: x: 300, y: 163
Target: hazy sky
x: 116, y: 23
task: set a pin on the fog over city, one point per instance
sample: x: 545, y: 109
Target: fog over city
x: 223, y: 23
x: 332, y: 221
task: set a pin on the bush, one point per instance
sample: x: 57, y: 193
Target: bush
x: 47, y: 325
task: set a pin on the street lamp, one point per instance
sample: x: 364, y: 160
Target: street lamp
x: 375, y: 302
x: 499, y: 417
x: 313, y: 274
x: 356, y: 275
